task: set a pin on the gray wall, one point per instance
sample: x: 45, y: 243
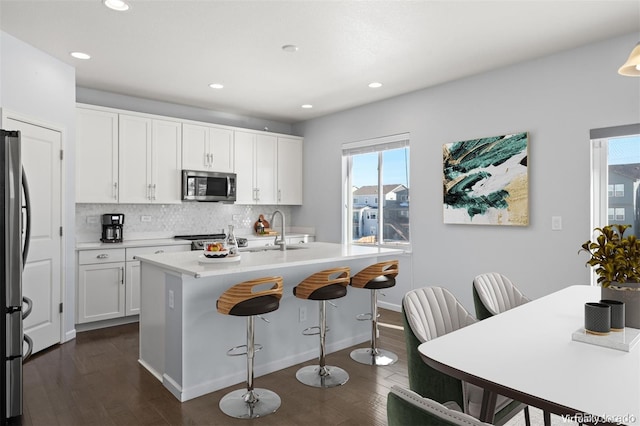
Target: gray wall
x: 557, y: 99
x: 36, y: 85
x: 130, y: 103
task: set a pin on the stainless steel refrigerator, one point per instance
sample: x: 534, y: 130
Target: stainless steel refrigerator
x: 14, y: 246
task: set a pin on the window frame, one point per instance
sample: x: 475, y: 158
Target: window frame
x: 599, y: 139
x: 378, y: 145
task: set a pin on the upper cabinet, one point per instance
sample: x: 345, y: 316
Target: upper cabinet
x: 149, y: 160
x: 130, y: 157
x: 268, y: 168
x: 255, y: 159
x: 207, y: 148
x: 289, y: 170
x: 96, y: 156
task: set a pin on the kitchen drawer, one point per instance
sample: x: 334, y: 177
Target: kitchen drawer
x: 86, y: 257
x: 137, y: 251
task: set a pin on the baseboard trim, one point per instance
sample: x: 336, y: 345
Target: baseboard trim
x: 88, y: 326
x: 69, y: 335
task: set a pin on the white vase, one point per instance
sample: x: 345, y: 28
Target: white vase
x: 629, y: 293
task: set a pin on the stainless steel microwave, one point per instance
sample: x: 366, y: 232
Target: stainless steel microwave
x: 208, y: 186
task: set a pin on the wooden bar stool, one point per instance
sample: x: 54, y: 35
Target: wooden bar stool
x: 247, y: 299
x: 375, y: 277
x: 322, y: 286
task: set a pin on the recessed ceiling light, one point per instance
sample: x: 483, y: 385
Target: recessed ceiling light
x: 216, y: 86
x: 375, y: 85
x: 307, y: 106
x: 118, y: 5
x: 80, y: 55
x: 291, y: 48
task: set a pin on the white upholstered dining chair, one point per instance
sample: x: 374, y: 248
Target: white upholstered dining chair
x: 431, y: 312
x: 494, y: 293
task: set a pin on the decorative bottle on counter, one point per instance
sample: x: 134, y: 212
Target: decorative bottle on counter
x: 260, y: 227
x: 232, y: 243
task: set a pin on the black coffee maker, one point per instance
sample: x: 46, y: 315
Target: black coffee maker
x: 112, y: 227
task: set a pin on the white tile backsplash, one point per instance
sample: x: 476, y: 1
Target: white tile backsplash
x: 168, y: 220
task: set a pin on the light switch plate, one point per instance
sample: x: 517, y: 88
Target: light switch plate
x: 556, y: 223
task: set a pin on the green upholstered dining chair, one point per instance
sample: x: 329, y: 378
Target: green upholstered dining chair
x: 407, y: 408
x: 494, y: 293
x: 431, y: 312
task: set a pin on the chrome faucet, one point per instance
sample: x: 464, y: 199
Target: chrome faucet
x: 282, y: 242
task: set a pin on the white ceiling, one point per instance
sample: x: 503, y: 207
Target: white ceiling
x: 171, y: 50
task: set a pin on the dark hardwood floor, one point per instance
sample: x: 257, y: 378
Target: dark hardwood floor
x: 96, y: 380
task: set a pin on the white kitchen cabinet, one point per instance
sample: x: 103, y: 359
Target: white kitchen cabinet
x: 101, y: 285
x: 96, y: 156
x: 207, y: 148
x: 255, y: 161
x: 149, y: 160
x: 289, y: 171
x: 132, y: 297
x: 109, y: 281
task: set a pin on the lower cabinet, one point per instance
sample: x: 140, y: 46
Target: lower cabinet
x: 109, y: 281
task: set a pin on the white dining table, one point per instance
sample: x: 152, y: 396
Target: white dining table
x: 528, y: 354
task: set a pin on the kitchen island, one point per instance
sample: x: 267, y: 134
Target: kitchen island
x: 184, y: 340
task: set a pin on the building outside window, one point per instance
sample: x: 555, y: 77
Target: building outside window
x: 376, y: 191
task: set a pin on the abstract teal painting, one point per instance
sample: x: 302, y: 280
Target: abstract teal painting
x: 486, y: 181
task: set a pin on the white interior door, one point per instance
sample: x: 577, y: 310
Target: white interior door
x: 42, y: 272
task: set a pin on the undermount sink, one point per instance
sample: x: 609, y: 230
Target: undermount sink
x: 270, y: 248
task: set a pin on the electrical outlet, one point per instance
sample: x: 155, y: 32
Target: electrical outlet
x: 302, y: 314
x: 171, y: 299
x: 145, y: 218
x: 92, y: 219
x: 556, y: 223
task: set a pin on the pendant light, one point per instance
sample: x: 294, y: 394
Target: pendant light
x: 631, y: 68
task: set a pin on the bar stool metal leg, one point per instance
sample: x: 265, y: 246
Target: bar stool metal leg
x: 374, y: 355
x: 322, y: 375
x: 250, y: 403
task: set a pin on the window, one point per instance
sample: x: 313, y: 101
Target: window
x: 377, y: 170
x: 615, y: 177
x: 616, y: 214
x: 616, y: 190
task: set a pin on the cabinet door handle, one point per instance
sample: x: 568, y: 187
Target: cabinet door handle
x: 148, y: 192
x: 205, y: 158
x: 121, y: 276
x: 279, y: 195
x: 102, y: 256
x: 159, y: 252
x: 257, y: 194
x: 115, y: 190
x: 153, y: 192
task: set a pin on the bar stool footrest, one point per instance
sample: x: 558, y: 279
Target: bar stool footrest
x: 234, y: 351
x: 234, y: 404
x: 370, y: 356
x: 309, y: 331
x: 366, y: 317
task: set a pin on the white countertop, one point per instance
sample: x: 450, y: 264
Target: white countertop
x: 98, y: 245
x: 142, y: 242
x: 312, y: 253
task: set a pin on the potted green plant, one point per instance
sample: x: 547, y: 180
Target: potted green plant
x: 616, y: 259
